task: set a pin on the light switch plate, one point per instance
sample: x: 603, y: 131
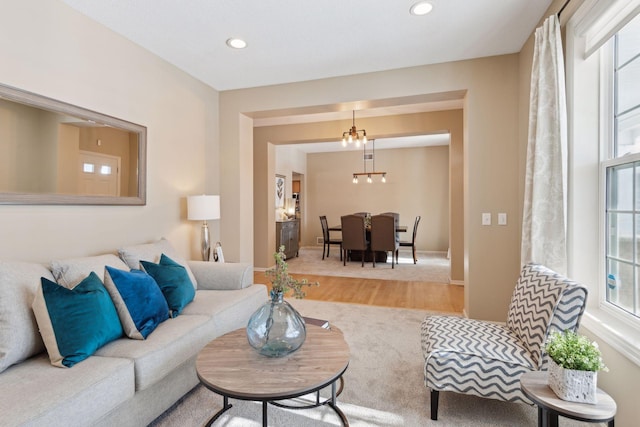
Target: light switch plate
x: 502, y: 218
x: 486, y: 218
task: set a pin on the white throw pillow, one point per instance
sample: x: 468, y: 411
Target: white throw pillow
x: 70, y: 272
x: 152, y: 252
x: 19, y: 335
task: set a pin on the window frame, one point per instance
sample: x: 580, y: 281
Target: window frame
x: 607, y: 142
x: 585, y: 30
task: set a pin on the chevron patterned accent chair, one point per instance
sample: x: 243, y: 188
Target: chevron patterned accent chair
x: 487, y: 359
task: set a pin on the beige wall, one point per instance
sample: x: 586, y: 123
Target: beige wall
x: 490, y: 166
x: 28, y: 148
x: 417, y: 184
x: 58, y: 58
x: 68, y: 158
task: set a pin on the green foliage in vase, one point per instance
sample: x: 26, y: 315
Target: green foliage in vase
x: 281, y: 281
x: 572, y: 351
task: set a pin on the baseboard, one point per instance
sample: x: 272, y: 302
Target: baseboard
x: 456, y: 282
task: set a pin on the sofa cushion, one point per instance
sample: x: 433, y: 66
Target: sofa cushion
x: 474, y: 357
x: 174, y: 282
x: 34, y: 393
x: 19, y: 336
x: 70, y: 272
x: 138, y: 301
x: 533, y: 304
x: 222, y: 275
x: 132, y: 255
x: 171, y: 344
x: 229, y: 310
x: 74, y: 323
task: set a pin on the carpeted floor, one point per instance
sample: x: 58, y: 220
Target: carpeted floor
x: 383, y: 384
x: 431, y: 266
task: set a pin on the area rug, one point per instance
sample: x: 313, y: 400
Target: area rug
x: 431, y: 267
x: 383, y: 384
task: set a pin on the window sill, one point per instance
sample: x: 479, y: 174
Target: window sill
x: 615, y: 332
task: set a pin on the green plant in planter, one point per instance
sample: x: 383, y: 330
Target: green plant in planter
x: 281, y: 281
x: 573, y: 351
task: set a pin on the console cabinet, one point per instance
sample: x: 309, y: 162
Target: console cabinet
x: 287, y: 235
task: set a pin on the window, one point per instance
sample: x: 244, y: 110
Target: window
x: 622, y: 172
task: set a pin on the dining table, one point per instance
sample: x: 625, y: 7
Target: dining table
x: 399, y: 229
x: 369, y: 255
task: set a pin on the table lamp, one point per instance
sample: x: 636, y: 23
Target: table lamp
x: 290, y: 208
x: 203, y: 208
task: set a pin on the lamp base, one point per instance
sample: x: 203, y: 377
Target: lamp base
x: 205, y: 246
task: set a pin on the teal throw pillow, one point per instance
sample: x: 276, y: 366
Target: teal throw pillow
x: 74, y: 323
x: 174, y: 282
x: 138, y: 300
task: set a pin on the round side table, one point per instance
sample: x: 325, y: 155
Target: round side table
x: 535, y: 386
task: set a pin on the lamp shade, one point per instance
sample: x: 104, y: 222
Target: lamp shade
x: 203, y: 207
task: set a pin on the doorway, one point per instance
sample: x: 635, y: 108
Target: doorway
x: 98, y: 174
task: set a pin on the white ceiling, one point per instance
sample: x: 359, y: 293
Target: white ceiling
x: 300, y: 40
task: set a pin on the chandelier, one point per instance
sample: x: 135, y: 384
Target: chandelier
x: 369, y: 156
x: 354, y: 134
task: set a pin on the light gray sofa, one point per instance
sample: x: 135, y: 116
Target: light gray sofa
x: 126, y: 382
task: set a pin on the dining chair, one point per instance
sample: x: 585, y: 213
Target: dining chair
x: 383, y: 236
x: 396, y: 217
x: 327, y: 241
x: 354, y: 236
x: 412, y: 243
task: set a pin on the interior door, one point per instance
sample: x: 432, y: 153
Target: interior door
x: 99, y: 174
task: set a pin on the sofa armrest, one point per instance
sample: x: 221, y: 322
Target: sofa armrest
x: 221, y: 276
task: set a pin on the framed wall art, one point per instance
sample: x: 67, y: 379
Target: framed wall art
x: 281, y: 182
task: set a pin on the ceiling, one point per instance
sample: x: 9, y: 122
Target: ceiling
x: 300, y: 40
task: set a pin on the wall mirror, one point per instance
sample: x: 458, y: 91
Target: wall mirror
x: 54, y: 153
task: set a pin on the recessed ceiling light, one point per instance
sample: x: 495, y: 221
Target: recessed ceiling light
x: 421, y: 8
x: 236, y: 43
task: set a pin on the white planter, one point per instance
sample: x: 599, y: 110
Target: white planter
x: 572, y: 385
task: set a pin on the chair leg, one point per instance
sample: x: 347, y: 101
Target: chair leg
x: 434, y: 404
x: 344, y: 262
x: 415, y: 258
x: 340, y: 251
x: 323, y: 250
x: 363, y: 258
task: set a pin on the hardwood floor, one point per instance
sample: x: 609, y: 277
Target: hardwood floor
x: 388, y: 293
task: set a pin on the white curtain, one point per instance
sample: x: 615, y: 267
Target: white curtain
x: 543, y: 225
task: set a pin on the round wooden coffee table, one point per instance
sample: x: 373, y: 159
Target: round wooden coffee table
x: 230, y: 367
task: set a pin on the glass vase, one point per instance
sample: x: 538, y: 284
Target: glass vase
x: 276, y: 328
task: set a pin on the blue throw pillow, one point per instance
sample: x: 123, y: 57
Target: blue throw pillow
x: 138, y: 300
x: 174, y: 282
x: 74, y: 323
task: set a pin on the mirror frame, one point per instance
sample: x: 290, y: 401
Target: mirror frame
x: 33, y: 100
